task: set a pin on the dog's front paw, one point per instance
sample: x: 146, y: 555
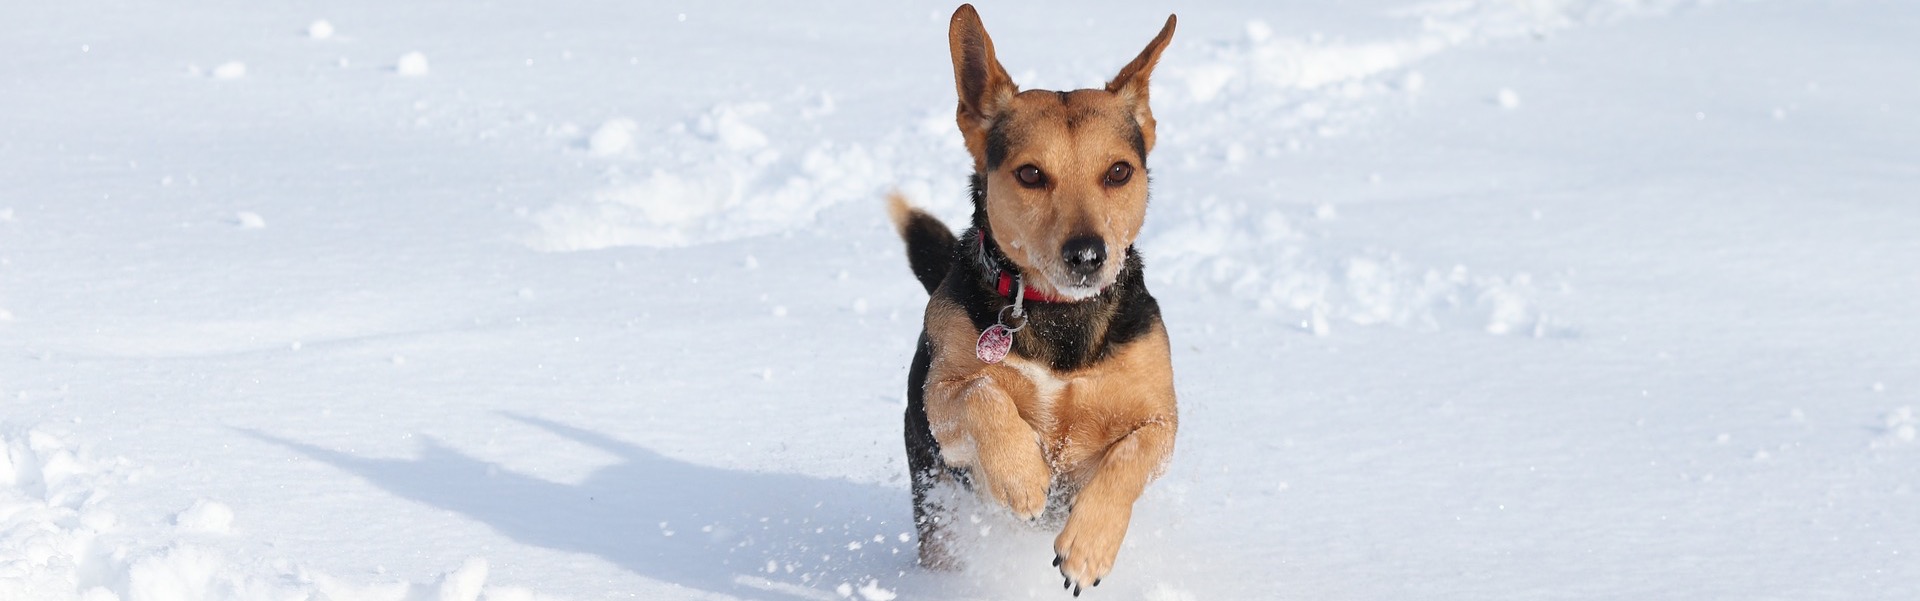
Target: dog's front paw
x: 1018, y: 478
x: 1085, y: 549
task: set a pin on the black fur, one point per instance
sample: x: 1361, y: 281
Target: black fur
x: 997, y: 144
x: 1139, y: 140
x: 929, y: 248
x: 1065, y: 336
x: 924, y: 466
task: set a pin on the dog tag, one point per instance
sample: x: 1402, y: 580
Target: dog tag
x: 994, y: 343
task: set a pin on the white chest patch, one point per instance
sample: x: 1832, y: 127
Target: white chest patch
x: 1046, y: 385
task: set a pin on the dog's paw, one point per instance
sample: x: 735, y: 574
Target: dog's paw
x: 1018, y: 478
x: 1086, y: 548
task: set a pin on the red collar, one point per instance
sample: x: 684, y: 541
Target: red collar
x: 1031, y: 293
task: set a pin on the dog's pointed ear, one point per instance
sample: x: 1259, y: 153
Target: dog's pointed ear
x: 984, y: 86
x: 1131, y: 84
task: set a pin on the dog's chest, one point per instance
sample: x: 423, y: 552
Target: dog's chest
x: 1068, y: 421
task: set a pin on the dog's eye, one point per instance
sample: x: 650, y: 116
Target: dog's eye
x: 1119, y: 173
x: 1030, y: 176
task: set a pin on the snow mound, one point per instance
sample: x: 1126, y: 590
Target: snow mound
x: 230, y: 70
x: 1262, y: 257
x: 1317, y: 75
x: 411, y: 64
x: 205, y: 516
x: 61, y: 538
x: 1259, y: 62
x: 727, y: 180
x: 182, y: 573
x: 614, y: 138
x: 249, y: 220
x: 464, y: 584
x: 1466, y: 20
x: 1898, y: 428
x: 50, y: 514
x: 1507, y: 99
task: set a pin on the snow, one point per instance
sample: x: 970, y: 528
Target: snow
x: 411, y: 64
x: 614, y: 137
x: 230, y: 70
x: 1508, y: 99
x: 1470, y: 299
x: 320, y: 29
x: 205, y: 516
x: 1899, y: 428
x: 249, y: 220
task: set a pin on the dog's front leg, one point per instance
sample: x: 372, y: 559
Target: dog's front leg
x: 1086, y: 547
x: 979, y: 427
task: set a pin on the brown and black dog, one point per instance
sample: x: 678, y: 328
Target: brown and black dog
x: 1043, y: 375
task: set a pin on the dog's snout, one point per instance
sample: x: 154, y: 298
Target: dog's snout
x: 1084, y: 255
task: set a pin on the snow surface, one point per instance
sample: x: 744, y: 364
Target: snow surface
x: 1476, y: 299
x: 411, y: 64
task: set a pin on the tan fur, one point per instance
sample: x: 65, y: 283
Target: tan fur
x: 1073, y: 138
x: 1104, y: 431
x: 1099, y: 433
x: 984, y: 85
x: 899, y: 211
x: 975, y: 412
x: 1130, y: 86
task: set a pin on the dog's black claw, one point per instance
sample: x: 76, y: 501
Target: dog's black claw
x: 1056, y: 561
x: 1096, y: 582
x: 1066, y: 583
x: 1076, y: 591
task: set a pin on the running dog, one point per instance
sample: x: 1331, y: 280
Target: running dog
x: 1043, y: 375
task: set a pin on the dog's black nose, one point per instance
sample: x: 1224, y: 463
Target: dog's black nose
x: 1084, y: 255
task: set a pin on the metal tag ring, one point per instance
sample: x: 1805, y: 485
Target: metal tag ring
x: 1002, y: 319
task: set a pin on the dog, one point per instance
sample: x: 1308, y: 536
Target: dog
x: 1043, y: 375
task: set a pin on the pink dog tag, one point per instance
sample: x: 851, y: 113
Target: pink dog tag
x: 993, y: 344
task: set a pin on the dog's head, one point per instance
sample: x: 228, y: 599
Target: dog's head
x: 1065, y: 173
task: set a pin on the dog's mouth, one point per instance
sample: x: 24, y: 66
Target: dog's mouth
x: 1076, y: 287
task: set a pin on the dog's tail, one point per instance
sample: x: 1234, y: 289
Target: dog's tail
x: 929, y: 242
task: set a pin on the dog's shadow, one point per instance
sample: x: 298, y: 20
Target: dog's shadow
x: 747, y: 534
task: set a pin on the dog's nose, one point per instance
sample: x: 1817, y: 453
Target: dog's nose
x: 1084, y: 255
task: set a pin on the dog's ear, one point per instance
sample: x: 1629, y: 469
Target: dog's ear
x: 985, y: 89
x: 1131, y: 84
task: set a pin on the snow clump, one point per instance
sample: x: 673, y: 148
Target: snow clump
x: 205, y: 516
x: 615, y: 137
x: 230, y: 70
x: 412, y: 64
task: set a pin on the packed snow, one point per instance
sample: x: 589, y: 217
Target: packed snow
x: 1575, y: 299
x: 230, y: 70
x: 411, y: 64
x: 320, y: 29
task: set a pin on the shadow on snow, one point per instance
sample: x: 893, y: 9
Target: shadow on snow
x: 748, y: 534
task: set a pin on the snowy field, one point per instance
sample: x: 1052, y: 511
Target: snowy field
x: 1471, y: 299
